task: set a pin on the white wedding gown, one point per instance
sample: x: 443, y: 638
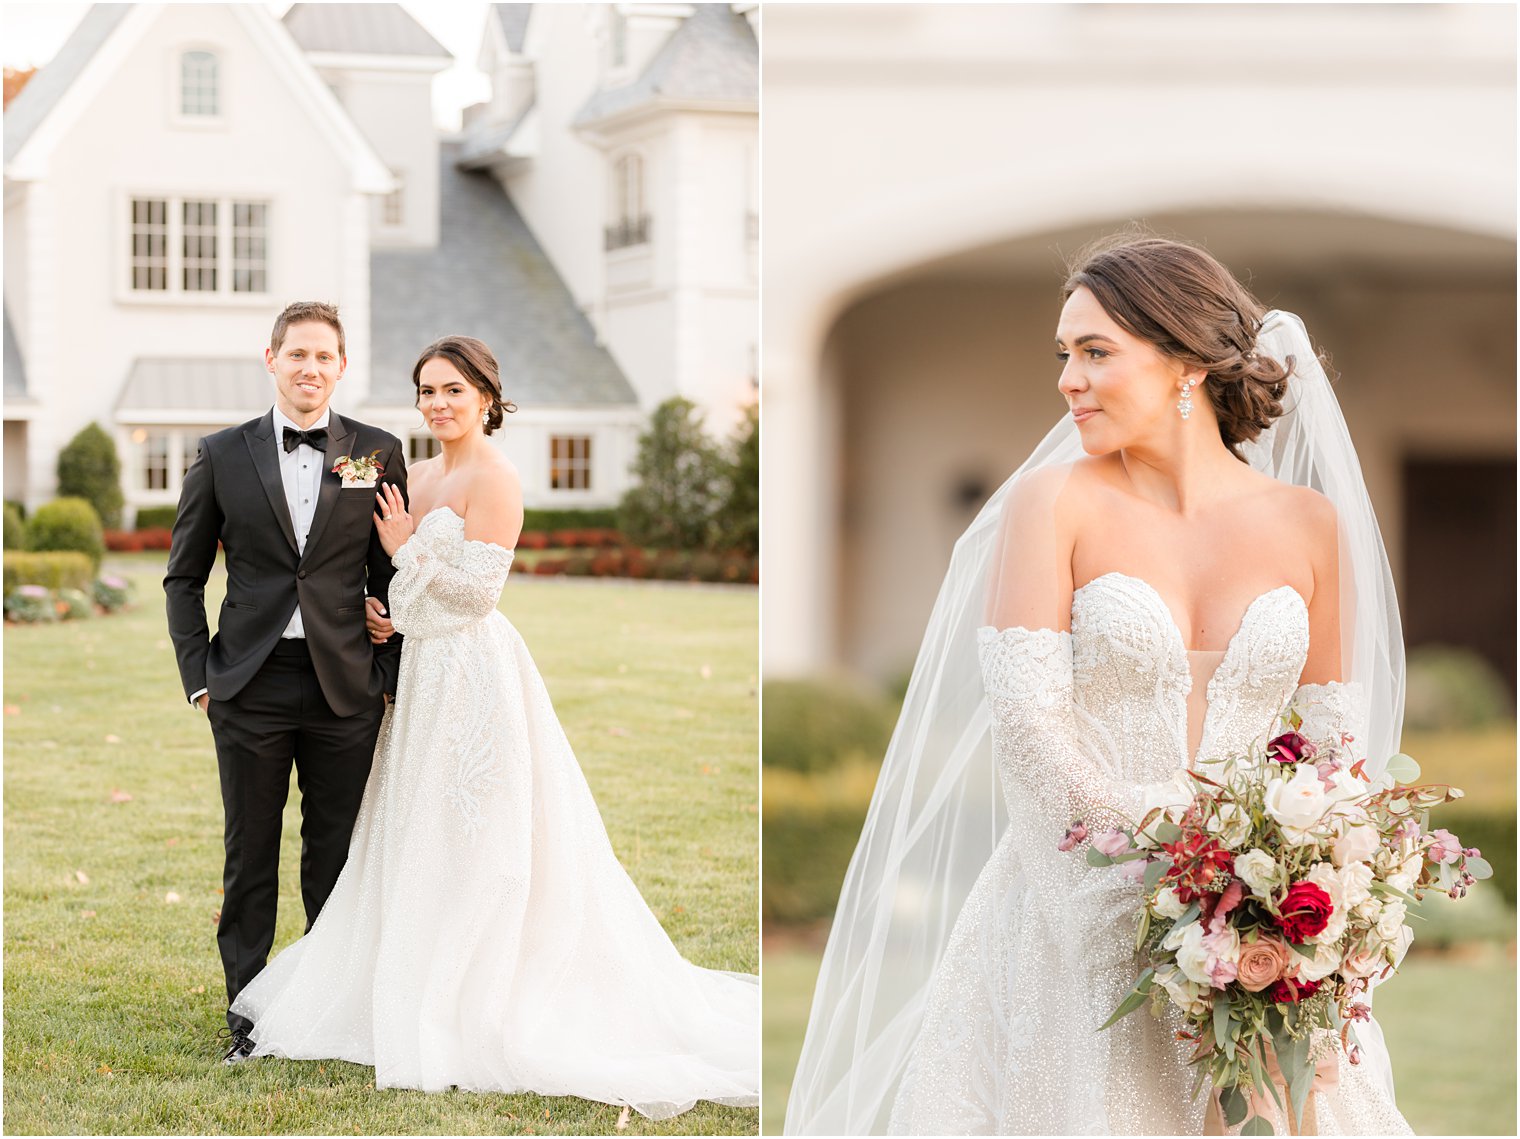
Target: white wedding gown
x: 1043, y: 950
x: 483, y: 934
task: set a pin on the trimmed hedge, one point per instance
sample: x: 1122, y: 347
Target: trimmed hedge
x: 570, y: 519
x: 809, y: 827
x: 1492, y: 830
x: 156, y: 518
x: 62, y: 570
x: 1450, y: 687
x: 15, y: 529
x: 815, y: 725
x: 89, y: 468
x: 67, y: 524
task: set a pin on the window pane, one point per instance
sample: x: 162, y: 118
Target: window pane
x: 198, y: 86
x: 198, y: 247
x: 570, y: 462
x: 249, y: 246
x: 149, y: 239
x: 156, y: 462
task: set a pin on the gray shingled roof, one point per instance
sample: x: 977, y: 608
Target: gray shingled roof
x: 15, y: 367
x: 360, y: 29
x: 488, y: 277
x: 712, y: 56
x: 43, y: 90
x: 513, y: 19
x: 193, y: 383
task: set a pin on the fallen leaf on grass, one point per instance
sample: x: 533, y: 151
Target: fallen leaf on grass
x: 81, y: 877
x: 706, y: 672
x: 679, y: 910
x: 197, y: 989
x: 171, y: 898
x: 171, y: 842
x: 622, y: 1123
x: 87, y: 913
x: 120, y: 796
x: 751, y: 809
x: 113, y: 739
x: 12, y: 710
x: 617, y: 731
x: 622, y: 668
x: 104, y: 1069
x: 219, y: 890
x: 709, y: 769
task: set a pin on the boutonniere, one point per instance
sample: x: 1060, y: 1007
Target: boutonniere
x: 358, y: 472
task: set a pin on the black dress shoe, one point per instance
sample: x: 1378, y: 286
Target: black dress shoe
x: 242, y: 1047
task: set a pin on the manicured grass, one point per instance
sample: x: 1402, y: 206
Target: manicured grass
x: 113, y: 991
x: 1449, y: 1021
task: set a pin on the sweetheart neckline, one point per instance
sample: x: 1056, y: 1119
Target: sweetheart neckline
x: 1171, y: 619
x: 511, y: 553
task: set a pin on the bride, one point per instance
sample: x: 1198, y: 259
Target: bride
x: 1188, y: 552
x: 483, y: 934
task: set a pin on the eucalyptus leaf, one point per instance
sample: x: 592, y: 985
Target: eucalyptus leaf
x: 1153, y: 874
x: 1234, y: 1105
x: 1168, y: 831
x: 1222, y: 1024
x: 1403, y: 769
x: 1304, y: 950
x: 1257, y: 1125
x: 1096, y: 857
x: 1479, y: 867
x: 1136, y: 997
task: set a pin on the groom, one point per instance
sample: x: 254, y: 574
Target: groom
x: 291, y: 674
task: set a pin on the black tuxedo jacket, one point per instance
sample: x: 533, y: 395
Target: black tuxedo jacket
x: 233, y: 494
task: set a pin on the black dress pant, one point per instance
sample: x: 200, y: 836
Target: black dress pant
x: 280, y: 716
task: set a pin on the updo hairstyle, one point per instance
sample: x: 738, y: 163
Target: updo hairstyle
x: 474, y: 361
x: 1179, y: 299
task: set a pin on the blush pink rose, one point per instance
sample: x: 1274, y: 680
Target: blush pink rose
x: 1261, y: 962
x: 1112, y: 843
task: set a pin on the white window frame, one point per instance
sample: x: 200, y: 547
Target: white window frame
x: 579, y: 464
x: 227, y: 264
x: 175, y: 68
x: 629, y: 224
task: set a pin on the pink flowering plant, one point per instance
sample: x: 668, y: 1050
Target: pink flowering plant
x: 1275, y: 890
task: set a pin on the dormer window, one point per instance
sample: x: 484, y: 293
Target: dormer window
x: 199, y: 96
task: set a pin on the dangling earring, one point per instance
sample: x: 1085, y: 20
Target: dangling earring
x: 1185, y: 404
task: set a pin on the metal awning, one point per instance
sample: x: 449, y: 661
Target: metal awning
x: 195, y: 389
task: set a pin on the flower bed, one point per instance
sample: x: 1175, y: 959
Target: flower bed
x: 135, y: 541
x: 32, y: 604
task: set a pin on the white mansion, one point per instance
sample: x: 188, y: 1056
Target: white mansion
x: 178, y: 173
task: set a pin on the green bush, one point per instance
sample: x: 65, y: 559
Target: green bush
x: 156, y: 518
x: 1450, y: 687
x: 51, y: 571
x: 588, y: 519
x: 75, y: 605
x: 680, y: 483
x: 113, y: 593
x: 15, y: 529
x: 738, y: 520
x: 30, y: 605
x: 813, y: 725
x: 810, y: 825
x: 18, y: 506
x: 88, y: 468
x: 67, y: 524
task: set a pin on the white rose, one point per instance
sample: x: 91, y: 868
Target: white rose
x: 1297, y: 804
x: 1259, y: 870
x: 1232, y: 825
x: 1357, y: 840
x: 1365, y: 959
x: 1168, y: 904
x: 1403, y: 878
x: 1187, y: 995
x: 1368, y: 909
x: 1345, y: 786
x: 1326, y: 960
x: 1192, y: 957
x: 1391, y: 920
x: 1172, y: 796
x: 1356, y: 880
x: 1328, y: 879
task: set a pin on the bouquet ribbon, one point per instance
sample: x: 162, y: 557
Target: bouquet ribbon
x: 1327, y: 1073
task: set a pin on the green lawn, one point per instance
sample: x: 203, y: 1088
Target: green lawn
x: 113, y: 987
x: 1449, y: 1021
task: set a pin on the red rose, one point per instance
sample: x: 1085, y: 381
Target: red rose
x: 1290, y: 747
x: 1305, y: 911
x: 1286, y: 991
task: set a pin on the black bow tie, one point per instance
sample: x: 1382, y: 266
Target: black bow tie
x: 316, y: 437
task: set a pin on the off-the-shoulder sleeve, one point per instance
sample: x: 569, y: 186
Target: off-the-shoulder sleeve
x: 446, y: 582
x: 1048, y: 778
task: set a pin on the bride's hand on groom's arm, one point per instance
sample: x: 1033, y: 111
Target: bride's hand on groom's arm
x: 392, y: 521
x: 376, y: 622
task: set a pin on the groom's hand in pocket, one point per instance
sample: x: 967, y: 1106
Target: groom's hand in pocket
x: 375, y: 620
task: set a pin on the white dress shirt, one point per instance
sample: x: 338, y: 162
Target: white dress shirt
x: 301, y: 472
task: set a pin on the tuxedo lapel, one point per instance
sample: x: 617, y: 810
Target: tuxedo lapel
x: 340, y: 441
x: 261, y: 448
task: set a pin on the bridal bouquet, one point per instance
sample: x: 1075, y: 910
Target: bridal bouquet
x: 1275, y: 887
